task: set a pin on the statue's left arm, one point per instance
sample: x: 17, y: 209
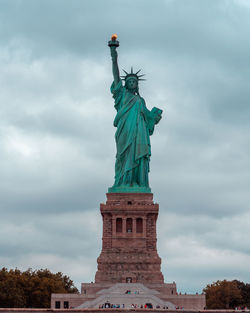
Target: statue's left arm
x: 153, y: 117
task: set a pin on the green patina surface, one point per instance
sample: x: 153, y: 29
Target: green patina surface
x: 135, y: 124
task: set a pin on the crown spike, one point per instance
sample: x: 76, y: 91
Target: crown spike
x: 132, y: 74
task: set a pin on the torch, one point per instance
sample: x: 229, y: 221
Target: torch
x: 113, y: 42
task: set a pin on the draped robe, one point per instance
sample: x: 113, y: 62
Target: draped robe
x: 135, y: 123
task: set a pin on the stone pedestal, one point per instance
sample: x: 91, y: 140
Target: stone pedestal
x: 129, y: 252
x: 129, y: 268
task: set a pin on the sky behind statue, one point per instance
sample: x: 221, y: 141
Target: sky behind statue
x: 57, y: 140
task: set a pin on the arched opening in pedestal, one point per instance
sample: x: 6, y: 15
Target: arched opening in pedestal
x: 129, y: 278
x: 129, y: 225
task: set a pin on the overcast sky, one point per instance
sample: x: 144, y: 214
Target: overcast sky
x: 57, y: 147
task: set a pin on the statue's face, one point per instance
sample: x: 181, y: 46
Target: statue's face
x: 132, y: 84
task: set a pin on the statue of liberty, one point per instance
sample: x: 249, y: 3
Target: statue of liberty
x: 135, y: 124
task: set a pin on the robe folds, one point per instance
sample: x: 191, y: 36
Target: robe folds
x: 135, y: 123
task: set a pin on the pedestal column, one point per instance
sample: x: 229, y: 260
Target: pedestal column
x: 129, y: 255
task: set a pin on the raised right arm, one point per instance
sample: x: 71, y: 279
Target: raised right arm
x: 115, y: 68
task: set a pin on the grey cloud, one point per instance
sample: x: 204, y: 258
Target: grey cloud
x: 214, y: 244
x: 212, y: 29
x: 68, y: 232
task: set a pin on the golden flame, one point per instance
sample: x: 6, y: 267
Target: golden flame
x: 114, y: 37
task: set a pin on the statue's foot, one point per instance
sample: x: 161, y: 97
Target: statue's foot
x: 129, y: 189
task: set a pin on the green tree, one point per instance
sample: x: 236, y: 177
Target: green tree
x: 245, y: 293
x: 223, y: 295
x: 11, y: 289
x: 32, y: 289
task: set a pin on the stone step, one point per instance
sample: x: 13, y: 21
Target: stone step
x: 127, y: 295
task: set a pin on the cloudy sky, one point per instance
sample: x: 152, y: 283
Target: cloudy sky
x: 57, y: 146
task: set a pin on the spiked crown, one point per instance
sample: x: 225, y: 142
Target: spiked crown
x: 132, y: 75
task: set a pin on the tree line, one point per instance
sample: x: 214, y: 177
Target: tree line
x: 227, y: 295
x: 31, y: 289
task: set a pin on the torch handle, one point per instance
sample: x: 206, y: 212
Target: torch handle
x: 113, y: 43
